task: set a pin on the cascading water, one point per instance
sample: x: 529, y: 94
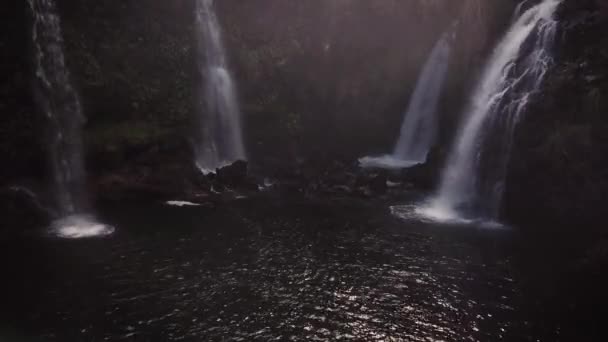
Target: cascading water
x: 59, y: 101
x: 419, y: 127
x: 473, y: 178
x: 420, y: 123
x: 221, y: 135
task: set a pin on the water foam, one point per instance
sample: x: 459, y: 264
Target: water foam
x: 182, y: 204
x: 80, y: 226
x: 387, y: 161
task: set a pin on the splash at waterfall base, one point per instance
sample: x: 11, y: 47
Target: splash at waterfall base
x: 80, y: 226
x: 430, y: 212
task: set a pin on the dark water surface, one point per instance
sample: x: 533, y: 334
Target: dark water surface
x: 264, y: 270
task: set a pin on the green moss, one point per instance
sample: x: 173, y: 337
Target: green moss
x: 117, y: 136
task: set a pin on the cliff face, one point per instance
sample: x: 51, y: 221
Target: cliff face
x: 327, y: 79
x: 334, y: 77
x: 315, y: 77
x: 20, y: 143
x: 135, y: 66
x: 559, y: 166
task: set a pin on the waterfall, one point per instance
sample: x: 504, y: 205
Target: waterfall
x: 58, y: 100
x: 473, y: 178
x: 419, y: 127
x: 420, y: 121
x: 221, y: 136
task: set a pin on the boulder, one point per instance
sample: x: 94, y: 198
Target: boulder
x: 235, y: 176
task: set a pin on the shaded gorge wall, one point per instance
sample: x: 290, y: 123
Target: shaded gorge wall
x: 21, y: 143
x: 322, y: 79
x: 315, y: 78
x: 333, y: 78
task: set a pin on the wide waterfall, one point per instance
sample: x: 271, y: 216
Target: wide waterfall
x: 419, y: 127
x: 473, y: 179
x: 221, y: 140
x: 60, y: 103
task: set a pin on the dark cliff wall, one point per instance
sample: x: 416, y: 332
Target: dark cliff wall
x: 328, y: 77
x: 334, y: 77
x: 315, y: 77
x: 559, y: 166
x: 133, y: 62
x: 20, y: 143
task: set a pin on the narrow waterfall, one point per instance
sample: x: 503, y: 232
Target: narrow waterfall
x: 473, y: 179
x: 221, y: 136
x: 419, y: 127
x: 58, y: 100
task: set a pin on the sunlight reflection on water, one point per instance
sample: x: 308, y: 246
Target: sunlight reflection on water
x: 275, y: 277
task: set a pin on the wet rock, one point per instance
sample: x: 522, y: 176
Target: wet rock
x: 427, y: 175
x: 153, y: 182
x: 369, y: 184
x: 159, y: 171
x: 234, y: 173
x: 377, y: 183
x: 235, y: 176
